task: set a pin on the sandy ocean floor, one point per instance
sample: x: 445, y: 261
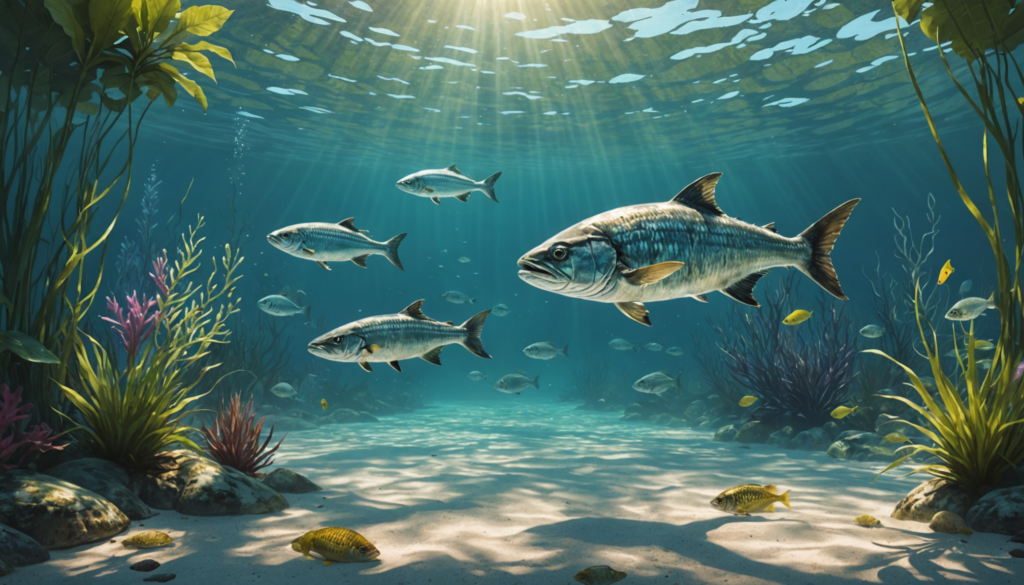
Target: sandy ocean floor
x: 523, y: 493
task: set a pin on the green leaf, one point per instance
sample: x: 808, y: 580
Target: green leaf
x: 87, y: 108
x: 973, y: 25
x: 201, y: 21
x: 64, y: 15
x: 908, y: 9
x: 187, y: 84
x: 205, y: 46
x: 26, y: 347
x: 6, y: 302
x: 153, y: 16
x: 162, y: 84
x: 197, y: 60
x: 107, y: 19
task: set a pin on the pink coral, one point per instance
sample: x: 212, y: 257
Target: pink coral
x: 159, y: 274
x: 14, y: 442
x: 135, y: 327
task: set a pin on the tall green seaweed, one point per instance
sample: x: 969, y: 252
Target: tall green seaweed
x: 978, y: 436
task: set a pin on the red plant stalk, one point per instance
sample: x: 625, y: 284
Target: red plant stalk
x: 235, y: 441
x: 135, y: 327
x: 159, y: 274
x: 14, y: 442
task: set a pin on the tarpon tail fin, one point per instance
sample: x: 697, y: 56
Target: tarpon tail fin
x: 488, y: 186
x: 474, y: 327
x: 536, y: 382
x: 677, y: 381
x: 305, y: 312
x: 565, y: 350
x: 822, y: 237
x: 392, y: 250
x: 992, y: 301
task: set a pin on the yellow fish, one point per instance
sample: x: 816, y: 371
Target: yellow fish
x: 897, y: 438
x: 747, y: 401
x: 842, y: 411
x: 797, y: 317
x: 866, y: 520
x: 323, y: 403
x: 966, y: 530
x: 947, y: 269
x: 336, y: 545
x: 747, y: 498
x: 599, y: 575
x: 147, y: 539
x: 982, y: 345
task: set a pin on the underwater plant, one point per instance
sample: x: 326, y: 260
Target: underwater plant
x: 713, y: 371
x: 19, y: 446
x: 135, y: 327
x: 132, y: 413
x: 978, y: 436
x: 234, y: 439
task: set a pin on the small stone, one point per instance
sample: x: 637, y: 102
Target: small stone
x: 161, y: 578
x: 947, y: 522
x: 286, y: 481
x: 20, y: 550
x: 726, y: 434
x: 753, y: 432
x: 1017, y: 553
x: 781, y: 436
x: 832, y: 429
x: 815, y: 439
x: 145, y: 566
x: 147, y: 539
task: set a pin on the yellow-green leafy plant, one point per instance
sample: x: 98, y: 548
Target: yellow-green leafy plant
x: 976, y: 419
x: 133, y: 413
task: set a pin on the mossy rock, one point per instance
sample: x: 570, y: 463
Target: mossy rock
x: 753, y: 432
x: 999, y: 511
x: 18, y: 549
x: 932, y: 497
x: 815, y: 439
x: 726, y: 434
x: 286, y: 481
x: 106, y: 479
x: 832, y: 429
x: 695, y: 411
x: 782, y: 436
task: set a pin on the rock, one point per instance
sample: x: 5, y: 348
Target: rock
x: 678, y: 423
x: 197, y: 486
x: 286, y: 481
x: 932, y: 497
x: 20, y: 550
x: 106, y: 479
x: 145, y: 566
x: 695, y: 411
x: 344, y: 416
x: 947, y: 522
x: 781, y: 437
x: 268, y: 409
x: 726, y: 434
x: 1017, y: 553
x: 753, y: 432
x: 635, y: 407
x: 863, y: 447
x: 382, y: 408
x: 55, y: 513
x: 161, y: 578
x: 367, y: 417
x: 147, y: 539
x: 845, y: 434
x: 1019, y: 537
x: 832, y: 429
x: 632, y: 416
x: 284, y: 424
x: 5, y: 569
x: 1000, y: 511
x: 815, y: 439
x: 701, y: 420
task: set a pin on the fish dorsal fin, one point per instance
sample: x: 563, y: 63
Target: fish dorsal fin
x: 772, y: 489
x: 415, y: 312
x: 743, y: 291
x: 433, y: 356
x: 770, y: 227
x: 701, y: 298
x: 700, y: 195
x: 349, y: 224
x: 454, y: 169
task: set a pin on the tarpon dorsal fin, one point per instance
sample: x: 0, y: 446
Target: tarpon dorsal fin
x: 700, y: 195
x: 770, y: 227
x: 454, y: 169
x: 349, y: 224
x: 415, y: 312
x: 743, y: 291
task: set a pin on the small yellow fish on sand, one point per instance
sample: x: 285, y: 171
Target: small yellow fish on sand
x: 147, y: 539
x: 747, y: 401
x: 797, y: 317
x: 897, y: 438
x: 866, y: 520
x: 323, y: 403
x: 599, y: 575
x: 842, y: 411
x: 947, y: 269
x: 747, y: 498
x: 336, y: 545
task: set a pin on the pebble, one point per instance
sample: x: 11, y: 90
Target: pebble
x: 146, y: 566
x: 161, y: 578
x: 320, y: 506
x: 1017, y: 553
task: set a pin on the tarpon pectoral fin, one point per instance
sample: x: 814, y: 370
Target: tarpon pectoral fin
x: 360, y: 261
x: 743, y: 291
x: 414, y: 310
x: 700, y: 195
x: 395, y: 365
x: 349, y: 224
x: 308, y: 251
x: 463, y: 198
x: 454, y: 169
x: 435, y: 200
x: 433, y: 356
x: 701, y: 298
x: 365, y: 366
x: 651, y: 274
x: 635, y: 311
x: 372, y: 348
x: 323, y: 265
x: 770, y: 227
x: 428, y: 189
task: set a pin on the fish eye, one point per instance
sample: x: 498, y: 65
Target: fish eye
x: 336, y: 339
x: 559, y: 253
x: 718, y: 500
x: 362, y: 550
x: 286, y: 236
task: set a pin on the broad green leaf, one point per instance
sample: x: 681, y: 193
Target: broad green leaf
x: 200, y: 21
x: 197, y: 60
x: 205, y: 46
x: 87, y: 108
x: 162, y: 84
x: 112, y: 78
x: 112, y: 104
x: 26, y: 347
x: 6, y: 302
x: 908, y: 9
x: 973, y: 25
x: 64, y: 15
x: 187, y: 84
x: 154, y: 15
x: 107, y: 19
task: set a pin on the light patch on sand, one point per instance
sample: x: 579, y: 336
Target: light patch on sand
x: 349, y: 35
x: 463, y: 49
x: 487, y: 72
x: 435, y: 110
x: 787, y: 102
x: 515, y: 16
x: 431, y: 67
x: 876, y: 63
x: 508, y: 112
x: 864, y: 27
x: 377, y: 44
x: 800, y: 46
x: 823, y: 63
x: 248, y: 114
x: 626, y: 78
x: 307, y: 13
x: 383, y: 31
x: 551, y: 113
x: 738, y: 38
x: 582, y: 27
x: 581, y: 81
x: 465, y: 27
x: 534, y: 65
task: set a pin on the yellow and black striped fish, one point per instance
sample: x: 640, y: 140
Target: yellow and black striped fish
x: 747, y: 498
x: 336, y: 545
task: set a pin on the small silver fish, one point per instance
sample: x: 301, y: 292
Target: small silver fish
x: 500, y: 310
x: 282, y: 306
x: 971, y: 308
x: 284, y: 390
x: 674, y: 350
x: 436, y: 183
x: 515, y: 383
x: 872, y: 331
x: 545, y: 350
x: 623, y: 345
x: 454, y: 296
x: 464, y: 260
x: 477, y: 376
x: 330, y: 242
x: 656, y: 383
x: 652, y: 347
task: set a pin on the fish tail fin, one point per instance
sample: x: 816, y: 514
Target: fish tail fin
x: 488, y: 186
x: 992, y: 301
x: 677, y: 381
x: 472, y: 301
x: 784, y: 498
x: 536, y: 382
x: 305, y: 312
x: 565, y: 350
x: 474, y: 327
x: 392, y: 250
x: 822, y: 237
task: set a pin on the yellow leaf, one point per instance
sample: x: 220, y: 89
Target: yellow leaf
x: 908, y: 9
x: 205, y: 46
x: 107, y: 18
x: 161, y: 83
x: 187, y: 84
x: 153, y: 16
x: 63, y: 15
x: 197, y: 60
x: 200, y: 21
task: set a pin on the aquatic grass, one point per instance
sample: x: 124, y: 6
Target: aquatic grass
x: 234, y: 439
x: 131, y: 414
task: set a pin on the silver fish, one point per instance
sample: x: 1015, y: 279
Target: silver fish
x: 686, y: 247
x: 965, y: 287
x: 477, y: 376
x: 464, y: 260
x: 656, y: 383
x: 284, y: 390
x: 652, y: 346
x: 334, y: 242
x: 404, y: 335
x: 450, y: 182
x: 872, y: 331
x: 971, y: 308
x: 282, y: 306
x: 454, y: 296
x: 545, y: 350
x: 500, y: 310
x: 674, y: 350
x: 623, y: 345
x: 516, y: 383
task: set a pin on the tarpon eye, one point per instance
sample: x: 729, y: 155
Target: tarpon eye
x: 560, y: 254
x: 286, y: 236
x: 336, y: 339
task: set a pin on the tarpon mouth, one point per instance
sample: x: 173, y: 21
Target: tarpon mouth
x: 536, y: 270
x: 273, y: 239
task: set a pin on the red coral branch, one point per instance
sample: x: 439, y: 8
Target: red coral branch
x: 235, y: 441
x: 27, y: 444
x: 159, y: 274
x: 135, y: 327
